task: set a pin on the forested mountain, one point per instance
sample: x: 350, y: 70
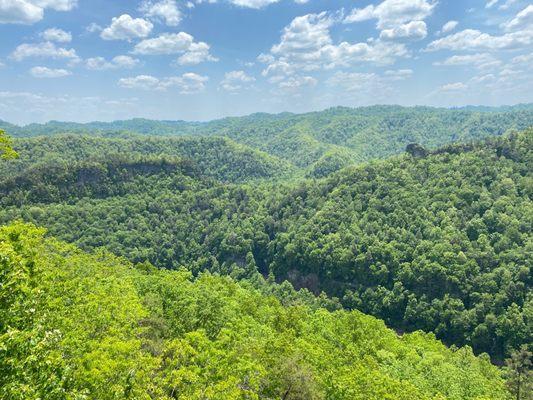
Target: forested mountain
x: 326, y: 140
x: 78, y: 326
x: 438, y: 240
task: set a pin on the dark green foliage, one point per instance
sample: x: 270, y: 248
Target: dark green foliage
x: 219, y: 158
x: 520, y: 373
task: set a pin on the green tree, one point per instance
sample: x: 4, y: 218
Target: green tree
x: 6, y: 147
x: 520, y: 375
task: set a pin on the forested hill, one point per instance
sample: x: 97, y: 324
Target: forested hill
x: 79, y: 326
x: 332, y: 138
x: 216, y: 157
x: 438, y: 240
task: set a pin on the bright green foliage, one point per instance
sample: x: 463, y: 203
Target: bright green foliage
x: 78, y: 326
x: 6, y: 147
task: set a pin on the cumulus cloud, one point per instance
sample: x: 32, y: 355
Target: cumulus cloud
x: 127, y: 28
x: 56, y: 35
x: 188, y: 83
x: 45, y: 72
x: 414, y: 30
x: 30, y: 11
x: 100, y: 63
x: 43, y: 50
x: 398, y: 75
x: 522, y: 20
x: 165, y: 10
x: 306, y: 45
x: 296, y: 82
x: 235, y: 80
x: 472, y: 39
x: 182, y: 43
x: 448, y: 27
x: 393, y: 13
x: 479, y: 60
x: 257, y: 4
x: 453, y: 87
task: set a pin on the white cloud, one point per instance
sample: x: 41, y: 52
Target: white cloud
x: 306, y: 45
x: 399, y: 75
x: 305, y: 34
x: 165, y: 10
x: 196, y: 54
x: 414, y: 30
x: 257, y: 4
x: 188, y: 83
x: 43, y: 50
x: 472, y: 39
x: 93, y: 27
x: 490, y: 3
x: 100, y: 63
x: 44, y: 72
x: 448, y: 27
x: 479, y: 60
x: 235, y: 80
x: 392, y: 13
x: 297, y: 82
x: 176, y: 43
x: 127, y: 28
x: 523, y: 59
x: 58, y: 5
x: 30, y: 11
x: 56, y: 35
x: 452, y: 87
x: 507, y: 4
x: 167, y: 43
x: 524, y: 19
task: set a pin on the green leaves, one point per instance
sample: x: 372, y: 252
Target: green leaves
x: 85, y: 326
x: 6, y: 147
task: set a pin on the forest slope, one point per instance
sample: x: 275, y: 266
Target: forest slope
x: 440, y: 242
x: 78, y: 326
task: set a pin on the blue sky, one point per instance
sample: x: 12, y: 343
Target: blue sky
x: 82, y: 60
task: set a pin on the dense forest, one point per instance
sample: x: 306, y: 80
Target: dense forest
x: 333, y: 137
x: 78, y: 326
x: 252, y: 247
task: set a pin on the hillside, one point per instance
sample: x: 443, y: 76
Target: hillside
x: 79, y: 326
x: 353, y: 135
x: 216, y: 157
x: 439, y: 241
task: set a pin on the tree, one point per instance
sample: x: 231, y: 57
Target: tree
x: 6, y: 147
x: 520, y: 376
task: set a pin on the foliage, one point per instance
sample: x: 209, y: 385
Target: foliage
x: 6, y: 147
x: 520, y: 373
x: 303, y: 139
x: 439, y: 242
x: 79, y: 326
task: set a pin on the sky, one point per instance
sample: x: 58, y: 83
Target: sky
x: 86, y: 60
